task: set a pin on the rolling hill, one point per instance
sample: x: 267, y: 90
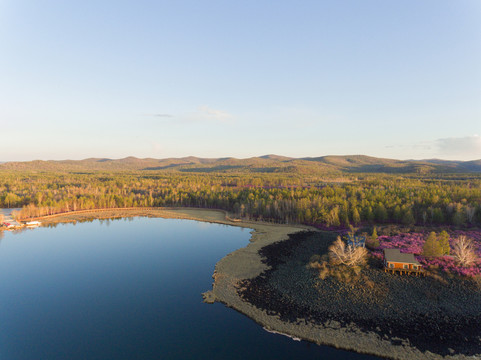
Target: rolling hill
x: 262, y: 164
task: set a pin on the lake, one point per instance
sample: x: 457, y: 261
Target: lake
x: 128, y: 289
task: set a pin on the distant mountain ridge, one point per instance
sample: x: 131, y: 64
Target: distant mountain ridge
x: 262, y: 164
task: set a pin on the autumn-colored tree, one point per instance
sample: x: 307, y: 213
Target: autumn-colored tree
x: 11, y: 199
x: 333, y: 217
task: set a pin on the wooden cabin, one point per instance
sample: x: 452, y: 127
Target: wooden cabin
x: 396, y: 261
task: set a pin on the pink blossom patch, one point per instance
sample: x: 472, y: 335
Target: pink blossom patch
x: 413, y: 243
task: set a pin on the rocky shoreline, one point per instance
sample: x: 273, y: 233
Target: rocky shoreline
x: 413, y: 317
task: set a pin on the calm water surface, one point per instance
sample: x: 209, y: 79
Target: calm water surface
x: 128, y: 289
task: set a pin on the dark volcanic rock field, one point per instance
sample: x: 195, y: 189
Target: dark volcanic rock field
x: 440, y: 314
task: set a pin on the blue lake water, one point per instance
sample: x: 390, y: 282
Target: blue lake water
x: 128, y: 289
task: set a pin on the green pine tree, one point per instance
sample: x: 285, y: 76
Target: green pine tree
x: 397, y: 214
x: 444, y: 242
x: 373, y: 241
x: 432, y: 246
x: 408, y: 218
x: 356, y: 218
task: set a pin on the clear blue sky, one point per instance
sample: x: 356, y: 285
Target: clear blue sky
x: 93, y: 78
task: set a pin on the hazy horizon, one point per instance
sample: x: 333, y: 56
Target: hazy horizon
x: 169, y: 79
x: 229, y: 157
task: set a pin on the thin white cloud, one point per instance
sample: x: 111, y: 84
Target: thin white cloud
x: 420, y: 146
x: 452, y: 148
x: 203, y: 113
x: 462, y: 147
x: 423, y: 146
x: 207, y: 113
x: 163, y: 115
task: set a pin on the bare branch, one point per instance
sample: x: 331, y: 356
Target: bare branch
x: 463, y: 251
x: 339, y: 253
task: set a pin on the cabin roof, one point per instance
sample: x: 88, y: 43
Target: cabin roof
x: 394, y: 255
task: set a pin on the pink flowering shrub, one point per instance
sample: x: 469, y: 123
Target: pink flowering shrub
x: 413, y: 243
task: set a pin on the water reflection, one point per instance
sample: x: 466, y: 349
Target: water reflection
x: 128, y: 289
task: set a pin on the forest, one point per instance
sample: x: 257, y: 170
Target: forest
x: 326, y: 201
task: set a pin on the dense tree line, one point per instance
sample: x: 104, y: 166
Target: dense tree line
x: 449, y: 200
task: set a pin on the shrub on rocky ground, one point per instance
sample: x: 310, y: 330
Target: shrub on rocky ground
x: 342, y: 273
x: 340, y: 254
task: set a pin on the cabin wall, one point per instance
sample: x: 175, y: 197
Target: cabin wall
x: 398, y: 265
